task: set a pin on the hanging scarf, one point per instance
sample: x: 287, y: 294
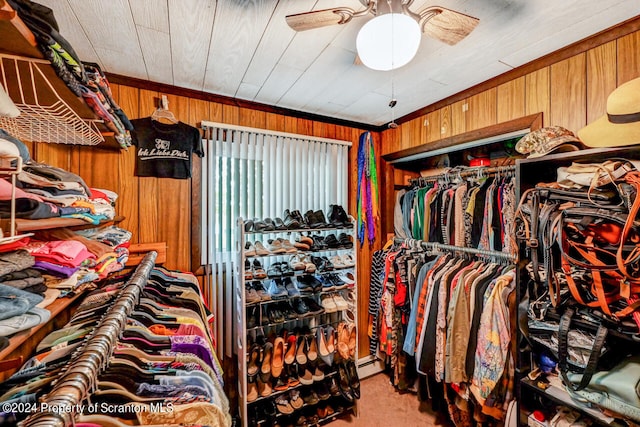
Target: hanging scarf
x: 367, y: 201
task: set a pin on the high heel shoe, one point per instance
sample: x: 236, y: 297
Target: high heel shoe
x: 265, y: 367
x: 323, y: 351
x: 352, y: 340
x: 290, y: 355
x: 254, y: 361
x: 277, y: 360
x: 301, y: 353
x: 331, y: 339
x: 343, y: 341
x: 312, y: 345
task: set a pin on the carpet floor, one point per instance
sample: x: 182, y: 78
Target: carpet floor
x: 380, y: 405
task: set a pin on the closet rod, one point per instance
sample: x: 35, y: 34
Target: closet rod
x: 493, y: 170
x: 442, y: 247
x: 64, y: 401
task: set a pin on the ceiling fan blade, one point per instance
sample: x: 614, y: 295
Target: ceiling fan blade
x: 320, y: 18
x: 447, y: 25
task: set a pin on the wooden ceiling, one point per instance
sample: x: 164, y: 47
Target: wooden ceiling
x: 244, y: 49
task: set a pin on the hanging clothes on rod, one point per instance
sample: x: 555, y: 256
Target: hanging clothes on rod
x: 144, y: 357
x: 440, y: 314
x: 472, y: 208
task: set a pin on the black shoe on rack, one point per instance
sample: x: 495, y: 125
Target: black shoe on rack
x: 341, y: 216
x: 319, y: 243
x: 345, y: 240
x: 331, y: 241
x: 344, y: 383
x: 287, y: 311
x: 319, y: 215
x: 295, y: 214
x: 280, y: 225
x: 314, y: 307
x: 290, y: 221
x: 354, y: 381
x: 310, y: 219
x: 300, y: 307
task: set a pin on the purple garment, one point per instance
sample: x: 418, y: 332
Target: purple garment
x: 198, y: 346
x: 192, y: 344
x: 55, y: 269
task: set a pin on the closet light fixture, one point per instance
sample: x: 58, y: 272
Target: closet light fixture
x: 388, y: 41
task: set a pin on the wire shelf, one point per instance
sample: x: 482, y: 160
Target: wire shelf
x: 54, y: 123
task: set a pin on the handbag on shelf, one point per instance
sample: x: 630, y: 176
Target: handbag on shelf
x: 600, y: 257
x: 616, y: 389
x: 587, y: 238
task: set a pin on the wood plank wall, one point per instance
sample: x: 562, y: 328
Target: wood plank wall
x: 570, y: 93
x: 159, y: 210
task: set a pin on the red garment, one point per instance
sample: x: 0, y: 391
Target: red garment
x: 97, y: 194
x: 8, y: 247
x: 184, y: 329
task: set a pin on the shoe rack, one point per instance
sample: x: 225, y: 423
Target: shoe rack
x: 261, y: 333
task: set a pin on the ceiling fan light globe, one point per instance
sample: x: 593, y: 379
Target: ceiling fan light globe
x: 388, y: 41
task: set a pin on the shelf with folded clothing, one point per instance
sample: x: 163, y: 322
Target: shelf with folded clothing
x: 26, y: 225
x: 21, y: 342
x: 560, y: 396
x: 621, y: 333
x: 288, y: 269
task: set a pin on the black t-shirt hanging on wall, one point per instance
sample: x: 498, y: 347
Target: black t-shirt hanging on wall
x: 164, y: 150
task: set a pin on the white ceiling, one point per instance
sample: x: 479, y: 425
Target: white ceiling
x: 244, y: 49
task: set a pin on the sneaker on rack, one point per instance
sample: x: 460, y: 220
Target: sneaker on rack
x: 261, y: 291
x: 337, y: 281
x: 248, y: 273
x: 328, y: 303
x: 304, y: 284
x: 291, y: 288
x: 258, y: 271
x: 260, y: 249
x: 275, y: 247
x: 340, y: 302
x: 348, y: 278
x: 249, y: 249
x: 288, y: 246
x: 327, y: 284
x: 277, y: 289
x: 250, y: 294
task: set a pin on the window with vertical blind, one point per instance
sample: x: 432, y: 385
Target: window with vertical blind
x: 254, y: 173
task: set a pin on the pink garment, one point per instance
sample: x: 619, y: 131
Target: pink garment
x: 71, y: 253
x: 5, y: 192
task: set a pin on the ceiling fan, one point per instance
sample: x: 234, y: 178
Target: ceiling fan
x: 438, y: 22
